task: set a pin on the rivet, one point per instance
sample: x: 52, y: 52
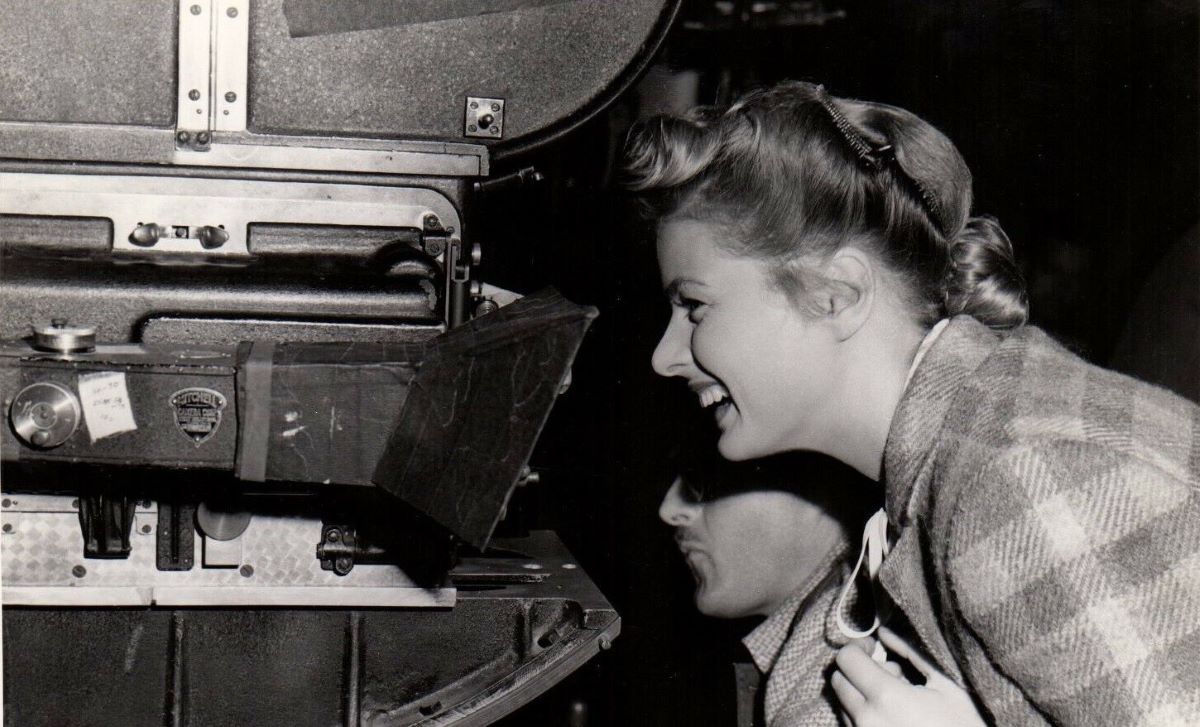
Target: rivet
x: 246, y: 570
x: 146, y: 528
x: 6, y: 502
x: 495, y: 129
x: 231, y: 12
x: 474, y: 104
x: 79, y: 571
x: 195, y: 10
x: 472, y: 128
x: 495, y: 107
x: 194, y: 94
x: 230, y: 96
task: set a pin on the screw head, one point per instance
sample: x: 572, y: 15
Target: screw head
x: 6, y: 502
x: 202, y: 137
x: 495, y: 107
x: 8, y: 527
x: 230, y: 96
x: 472, y: 128
x: 79, y: 571
x: 246, y: 570
x: 334, y: 535
x: 231, y: 12
x: 474, y: 104
x: 146, y: 528
x: 194, y: 94
x: 495, y: 129
x: 195, y: 10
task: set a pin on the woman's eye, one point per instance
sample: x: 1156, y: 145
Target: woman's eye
x: 693, y: 307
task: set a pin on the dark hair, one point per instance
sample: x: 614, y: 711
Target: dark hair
x: 794, y: 174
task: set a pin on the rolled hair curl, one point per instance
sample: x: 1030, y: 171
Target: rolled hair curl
x: 793, y: 174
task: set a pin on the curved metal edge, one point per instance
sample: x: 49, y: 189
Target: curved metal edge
x: 624, y: 81
x: 534, y: 678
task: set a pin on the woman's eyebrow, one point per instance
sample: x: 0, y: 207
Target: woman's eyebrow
x: 672, y: 289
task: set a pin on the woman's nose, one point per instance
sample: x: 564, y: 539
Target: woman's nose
x: 675, y: 509
x: 674, y: 350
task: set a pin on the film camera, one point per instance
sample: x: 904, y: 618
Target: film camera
x: 262, y: 416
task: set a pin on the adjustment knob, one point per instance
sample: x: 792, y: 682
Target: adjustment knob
x: 44, y: 415
x: 212, y: 237
x: 61, y: 337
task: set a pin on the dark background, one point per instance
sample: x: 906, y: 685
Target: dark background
x: 1079, y: 121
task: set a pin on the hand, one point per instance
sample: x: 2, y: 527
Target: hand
x: 878, y: 695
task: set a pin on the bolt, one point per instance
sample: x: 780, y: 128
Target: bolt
x: 194, y: 95
x: 485, y: 307
x: 246, y: 570
x: 202, y: 138
x: 8, y: 527
x: 474, y: 104
x: 472, y: 128
x: 230, y: 96
x: 79, y: 571
x: 495, y: 107
x: 334, y: 535
x: 434, y: 247
x: 182, y: 137
x: 195, y: 10
x: 231, y: 12
x: 431, y: 222
x: 343, y: 565
x: 605, y: 643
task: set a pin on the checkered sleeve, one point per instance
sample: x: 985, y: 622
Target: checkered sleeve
x: 1075, y: 567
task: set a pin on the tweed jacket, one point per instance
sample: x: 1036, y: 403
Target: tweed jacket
x: 795, y: 648
x: 1047, y: 523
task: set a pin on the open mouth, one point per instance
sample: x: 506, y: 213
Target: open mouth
x: 715, y: 398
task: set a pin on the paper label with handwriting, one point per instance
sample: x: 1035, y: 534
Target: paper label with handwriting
x: 106, y: 407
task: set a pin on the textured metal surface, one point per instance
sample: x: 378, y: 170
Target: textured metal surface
x: 117, y: 299
x: 43, y: 550
x: 96, y: 62
x: 410, y: 80
x: 468, y: 665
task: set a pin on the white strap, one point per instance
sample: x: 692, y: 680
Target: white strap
x: 874, y: 549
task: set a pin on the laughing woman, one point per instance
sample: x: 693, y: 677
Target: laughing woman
x: 832, y: 291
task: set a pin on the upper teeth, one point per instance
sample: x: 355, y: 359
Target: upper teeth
x: 712, y: 395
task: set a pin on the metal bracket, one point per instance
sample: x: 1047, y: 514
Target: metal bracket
x: 213, y: 66
x: 211, y: 217
x: 484, y: 118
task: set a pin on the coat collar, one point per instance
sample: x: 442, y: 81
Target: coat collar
x: 913, y: 435
x: 907, y: 471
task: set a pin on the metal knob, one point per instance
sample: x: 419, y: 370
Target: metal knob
x: 146, y: 235
x: 44, y: 415
x: 212, y: 237
x: 62, y: 337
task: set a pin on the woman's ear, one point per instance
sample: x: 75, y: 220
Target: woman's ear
x: 850, y: 291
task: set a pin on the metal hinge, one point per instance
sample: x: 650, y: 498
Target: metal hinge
x: 213, y: 61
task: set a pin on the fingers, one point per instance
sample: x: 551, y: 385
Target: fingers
x: 902, y: 648
x: 853, y: 702
x: 866, y: 675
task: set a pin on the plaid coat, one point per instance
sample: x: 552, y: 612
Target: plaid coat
x: 1047, y: 515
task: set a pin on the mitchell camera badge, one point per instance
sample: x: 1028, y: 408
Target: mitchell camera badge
x: 198, y: 412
